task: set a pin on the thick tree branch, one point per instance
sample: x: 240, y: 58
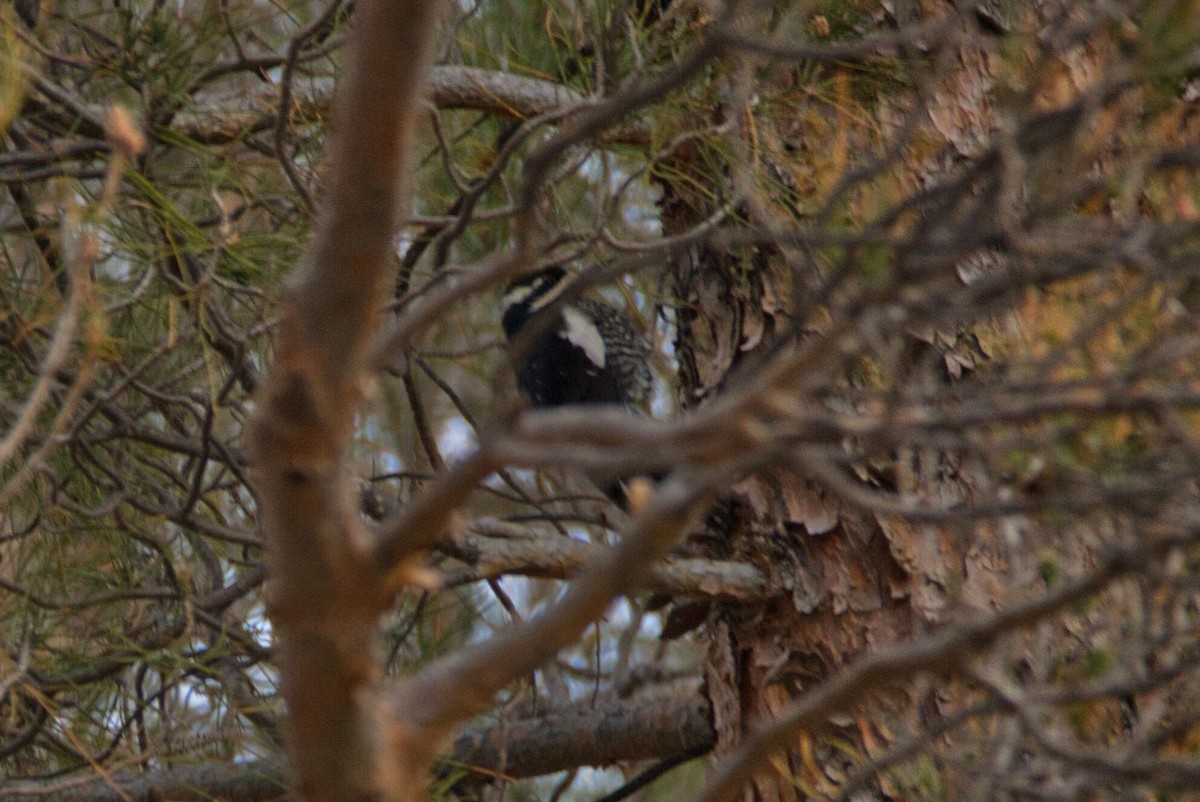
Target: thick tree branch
x: 500, y: 93
x: 641, y: 728
x: 448, y: 87
x: 656, y: 726
x: 259, y: 781
x: 556, y: 557
x: 325, y: 596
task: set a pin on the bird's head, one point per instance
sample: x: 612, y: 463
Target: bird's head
x: 528, y: 294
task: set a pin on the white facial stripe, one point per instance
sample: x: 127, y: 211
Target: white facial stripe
x: 581, y: 331
x: 549, y: 297
x: 515, y: 296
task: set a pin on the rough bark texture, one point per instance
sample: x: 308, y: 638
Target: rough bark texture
x: 844, y: 591
x: 851, y: 581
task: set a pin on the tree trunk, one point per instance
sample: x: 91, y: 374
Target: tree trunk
x: 848, y: 579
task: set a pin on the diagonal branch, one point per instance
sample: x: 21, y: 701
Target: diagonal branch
x: 458, y: 686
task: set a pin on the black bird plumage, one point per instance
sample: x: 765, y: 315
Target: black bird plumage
x: 579, y: 351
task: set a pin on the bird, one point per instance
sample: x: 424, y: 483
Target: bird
x: 575, y: 352
x: 580, y: 351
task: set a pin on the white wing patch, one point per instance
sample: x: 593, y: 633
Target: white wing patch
x: 580, y: 330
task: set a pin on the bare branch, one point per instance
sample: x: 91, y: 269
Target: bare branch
x: 456, y: 687
x: 644, y: 727
x: 553, y: 556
